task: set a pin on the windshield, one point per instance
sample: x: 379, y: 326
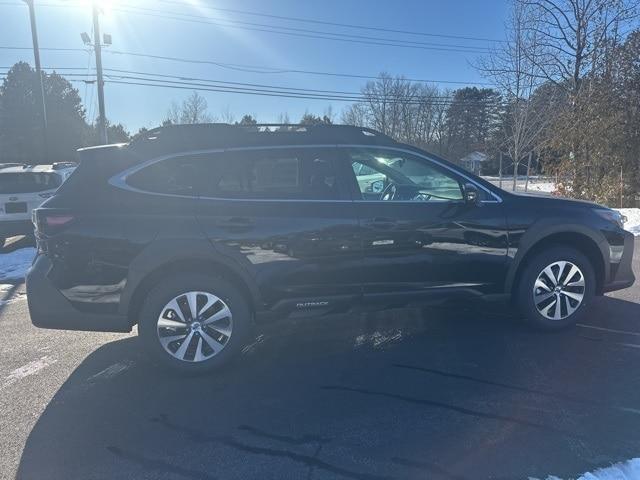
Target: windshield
x: 28, y: 182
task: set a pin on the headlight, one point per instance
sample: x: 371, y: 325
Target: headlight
x: 612, y: 216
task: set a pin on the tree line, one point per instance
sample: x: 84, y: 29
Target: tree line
x: 564, y: 100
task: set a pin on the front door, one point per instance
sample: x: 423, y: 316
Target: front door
x: 418, y: 234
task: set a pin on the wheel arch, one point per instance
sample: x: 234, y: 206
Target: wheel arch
x: 149, y: 268
x: 582, y: 239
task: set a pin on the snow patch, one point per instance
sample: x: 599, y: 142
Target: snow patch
x: 8, y: 294
x: 536, y: 184
x: 14, y: 265
x: 629, y: 470
x: 633, y: 219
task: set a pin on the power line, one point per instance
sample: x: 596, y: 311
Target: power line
x: 301, y: 31
x: 297, y: 32
x: 298, y: 19
x: 256, y: 88
x: 252, y: 68
x: 344, y: 25
x: 141, y: 81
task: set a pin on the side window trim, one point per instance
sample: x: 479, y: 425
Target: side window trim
x: 119, y: 179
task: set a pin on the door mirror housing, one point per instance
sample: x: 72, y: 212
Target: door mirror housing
x: 471, y: 194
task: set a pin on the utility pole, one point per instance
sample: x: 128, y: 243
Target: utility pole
x: 97, y: 39
x: 500, y: 169
x: 36, y: 55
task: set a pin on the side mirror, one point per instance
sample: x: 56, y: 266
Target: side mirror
x: 471, y: 194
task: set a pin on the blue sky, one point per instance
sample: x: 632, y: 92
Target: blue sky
x: 60, y: 23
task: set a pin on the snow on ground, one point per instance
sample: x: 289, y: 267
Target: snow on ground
x: 633, y: 219
x: 14, y: 265
x: 629, y: 470
x: 536, y: 184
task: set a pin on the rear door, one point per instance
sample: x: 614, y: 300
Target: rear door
x: 418, y: 235
x: 284, y: 215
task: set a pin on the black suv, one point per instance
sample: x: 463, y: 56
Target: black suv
x: 196, y: 233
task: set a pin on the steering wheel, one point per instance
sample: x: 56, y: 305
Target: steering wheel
x: 422, y: 197
x: 389, y: 192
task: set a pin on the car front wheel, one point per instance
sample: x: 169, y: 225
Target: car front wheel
x: 556, y: 288
x: 194, y: 323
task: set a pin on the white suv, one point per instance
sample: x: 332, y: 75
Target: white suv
x: 23, y: 188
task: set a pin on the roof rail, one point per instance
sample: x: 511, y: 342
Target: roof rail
x: 11, y: 165
x: 61, y: 165
x: 262, y: 132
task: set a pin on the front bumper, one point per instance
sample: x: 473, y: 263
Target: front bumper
x: 621, y: 273
x: 50, y: 309
x: 11, y: 228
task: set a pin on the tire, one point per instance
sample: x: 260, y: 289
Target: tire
x: 168, y: 298
x: 539, y: 302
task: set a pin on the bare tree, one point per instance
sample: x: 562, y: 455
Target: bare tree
x: 354, y: 115
x: 513, y: 69
x: 573, y: 35
x: 226, y: 116
x: 192, y: 110
x: 576, y: 37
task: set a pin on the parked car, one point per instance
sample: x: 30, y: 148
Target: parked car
x: 197, y: 233
x: 23, y: 188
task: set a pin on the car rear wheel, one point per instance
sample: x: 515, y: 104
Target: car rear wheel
x: 556, y: 288
x: 194, y: 323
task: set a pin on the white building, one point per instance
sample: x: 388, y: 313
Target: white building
x: 473, y: 162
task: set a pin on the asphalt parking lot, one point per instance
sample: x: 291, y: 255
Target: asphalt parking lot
x: 444, y: 393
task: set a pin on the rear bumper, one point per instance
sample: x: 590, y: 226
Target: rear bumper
x: 621, y: 275
x: 10, y: 228
x: 50, y: 309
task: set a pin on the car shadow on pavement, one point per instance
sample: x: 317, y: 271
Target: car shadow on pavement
x: 439, y: 393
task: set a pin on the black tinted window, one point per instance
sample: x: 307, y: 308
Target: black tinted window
x: 279, y: 175
x: 177, y: 176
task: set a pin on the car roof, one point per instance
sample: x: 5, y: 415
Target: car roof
x: 176, y: 138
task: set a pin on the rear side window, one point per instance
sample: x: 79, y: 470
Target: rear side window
x: 287, y: 174
x: 174, y: 176
x: 29, y: 182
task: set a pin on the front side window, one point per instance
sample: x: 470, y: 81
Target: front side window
x: 391, y: 175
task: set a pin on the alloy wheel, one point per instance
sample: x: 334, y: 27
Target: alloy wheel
x: 195, y: 326
x: 559, y: 290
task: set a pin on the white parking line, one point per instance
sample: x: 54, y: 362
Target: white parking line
x: 29, y: 369
x: 610, y: 330
x: 111, y: 371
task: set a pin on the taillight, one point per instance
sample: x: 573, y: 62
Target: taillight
x: 55, y: 221
x: 50, y: 221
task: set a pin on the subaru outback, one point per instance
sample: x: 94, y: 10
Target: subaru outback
x: 197, y: 233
